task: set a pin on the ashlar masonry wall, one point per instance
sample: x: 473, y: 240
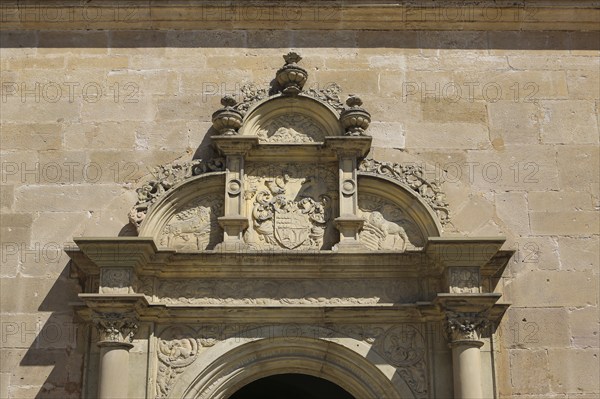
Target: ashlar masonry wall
x: 509, y: 119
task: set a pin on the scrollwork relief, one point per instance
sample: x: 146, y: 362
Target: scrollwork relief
x: 386, y: 226
x: 164, y: 178
x: 291, y: 207
x: 177, y: 348
x: 413, y: 176
x: 196, y: 226
x: 251, y: 94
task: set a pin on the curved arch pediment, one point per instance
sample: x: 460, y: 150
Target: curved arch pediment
x: 301, y: 119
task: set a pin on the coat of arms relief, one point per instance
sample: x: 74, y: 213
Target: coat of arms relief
x: 291, y: 207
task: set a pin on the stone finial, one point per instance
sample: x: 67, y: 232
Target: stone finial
x: 292, y: 58
x: 355, y: 119
x: 227, y: 120
x: 291, y: 77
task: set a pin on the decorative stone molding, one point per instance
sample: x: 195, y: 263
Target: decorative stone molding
x: 115, y: 328
x: 177, y: 348
x: 414, y: 177
x: 165, y: 178
x: 465, y: 326
x: 276, y: 292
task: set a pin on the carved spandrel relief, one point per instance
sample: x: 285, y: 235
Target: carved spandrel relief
x: 165, y: 177
x: 177, y: 348
x: 291, y: 128
x: 414, y: 177
x: 286, y: 292
x: 291, y: 206
x: 195, y: 227
x: 402, y: 345
x: 387, y: 227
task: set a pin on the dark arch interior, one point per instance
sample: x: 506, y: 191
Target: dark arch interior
x: 291, y: 386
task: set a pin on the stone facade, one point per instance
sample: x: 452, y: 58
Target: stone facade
x: 498, y: 102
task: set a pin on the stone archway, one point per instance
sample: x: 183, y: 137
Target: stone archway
x: 230, y: 365
x: 291, y: 386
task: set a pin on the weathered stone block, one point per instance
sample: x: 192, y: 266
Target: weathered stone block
x: 564, y: 223
x: 513, y: 123
x: 584, y: 326
x: 552, y: 288
x: 579, y: 254
x: 574, y: 370
x: 32, y: 136
x: 535, y: 380
x: 567, y: 122
x: 511, y: 209
x: 578, y: 166
x: 559, y: 201
x: 446, y: 135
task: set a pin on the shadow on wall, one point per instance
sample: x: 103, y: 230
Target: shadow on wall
x: 344, y: 39
x: 57, y: 352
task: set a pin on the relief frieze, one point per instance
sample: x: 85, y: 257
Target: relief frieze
x: 285, y: 292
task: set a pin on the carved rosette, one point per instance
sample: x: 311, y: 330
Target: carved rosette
x: 463, y: 280
x: 227, y: 120
x: 291, y: 77
x: 115, y: 328
x: 355, y: 119
x: 465, y: 326
x: 116, y: 280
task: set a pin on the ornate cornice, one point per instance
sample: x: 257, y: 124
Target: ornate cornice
x: 389, y: 15
x: 414, y: 177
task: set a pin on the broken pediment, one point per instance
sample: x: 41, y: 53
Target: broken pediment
x: 293, y: 177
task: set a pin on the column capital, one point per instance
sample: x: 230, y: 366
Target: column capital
x: 465, y: 327
x: 115, y: 329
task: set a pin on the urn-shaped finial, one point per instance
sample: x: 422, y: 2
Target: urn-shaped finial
x: 355, y: 119
x: 291, y: 77
x: 227, y: 120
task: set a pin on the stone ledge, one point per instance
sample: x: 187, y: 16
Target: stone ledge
x: 323, y: 15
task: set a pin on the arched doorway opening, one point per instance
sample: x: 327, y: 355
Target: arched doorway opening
x: 291, y: 386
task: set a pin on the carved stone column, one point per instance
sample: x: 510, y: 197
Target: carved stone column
x: 234, y: 222
x: 116, y: 331
x: 464, y: 333
x: 349, y: 149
